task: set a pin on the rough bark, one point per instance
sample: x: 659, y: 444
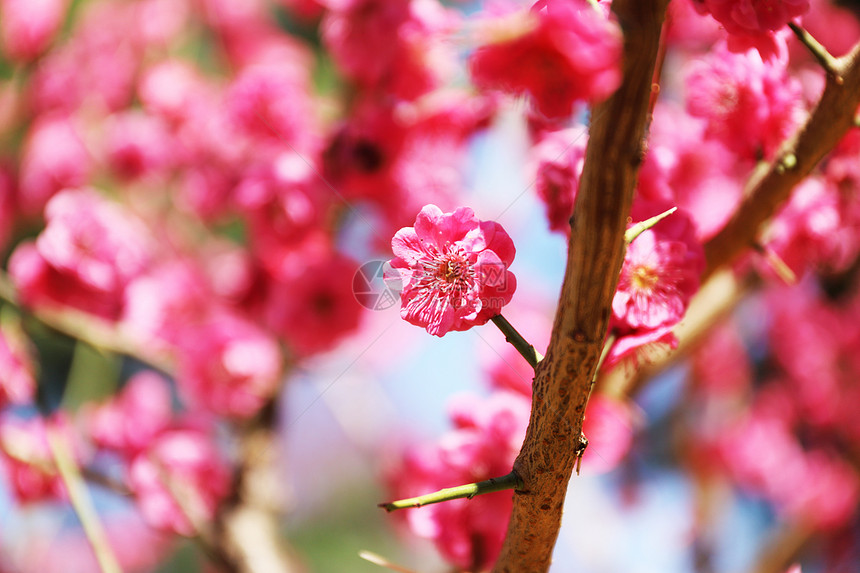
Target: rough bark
x: 595, y: 254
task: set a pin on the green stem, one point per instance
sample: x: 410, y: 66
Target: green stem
x: 82, y: 502
x: 516, y: 339
x: 510, y: 481
x: 827, y: 61
x: 642, y: 226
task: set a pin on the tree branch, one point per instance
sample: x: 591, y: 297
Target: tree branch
x: 828, y: 123
x: 595, y: 254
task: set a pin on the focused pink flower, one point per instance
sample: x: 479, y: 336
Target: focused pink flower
x: 27, y: 27
x: 88, y: 252
x: 17, y: 383
x: 660, y: 273
x: 454, y: 270
x: 658, y: 278
x: 750, y: 105
x: 567, y: 53
x: 181, y: 461
x: 132, y: 419
x: 752, y: 23
x: 485, y: 440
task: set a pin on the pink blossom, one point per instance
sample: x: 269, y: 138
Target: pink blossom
x: 815, y: 229
x: 559, y: 157
x: 138, y: 145
x: 282, y: 204
x: 660, y: 273
x: 271, y: 101
x: 393, y: 45
x: 17, y: 382
x: 178, y: 462
x: 686, y: 169
x: 54, y: 158
x: 608, y: 425
x: 8, y: 201
x: 485, y: 440
x: 161, y: 305
x: 752, y: 23
x: 454, y: 269
x: 813, y: 487
x: 659, y: 276
x: 815, y: 343
x: 136, y: 546
x: 170, y: 89
x: 27, y: 27
x: 565, y: 54
x: 750, y: 105
x: 27, y: 460
x: 687, y: 29
x: 132, y: 419
x: 228, y: 365
x: 96, y: 67
x: 87, y: 253
x: 721, y: 363
x: 309, y: 300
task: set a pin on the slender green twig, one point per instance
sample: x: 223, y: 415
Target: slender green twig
x: 371, y: 557
x: 510, y: 481
x: 516, y: 339
x: 827, y: 61
x: 82, y: 502
x: 642, y: 226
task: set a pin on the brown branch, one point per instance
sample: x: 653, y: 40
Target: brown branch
x: 595, y: 254
x: 828, y: 123
x: 247, y: 527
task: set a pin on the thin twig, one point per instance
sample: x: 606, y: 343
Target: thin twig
x: 468, y: 491
x: 827, y: 61
x: 82, y: 502
x: 516, y: 339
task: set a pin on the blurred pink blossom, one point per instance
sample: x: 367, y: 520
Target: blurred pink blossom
x: 184, y: 463
x: 27, y: 27
x: 134, y: 417
x: 750, y: 105
x: 54, y: 157
x: 89, y: 250
x: 752, y: 23
x: 390, y: 45
x: 558, y: 159
x: 309, y: 300
x: 454, y: 269
x: 485, y: 440
x: 228, y: 365
x: 17, y: 382
x: 564, y: 54
x: 608, y: 426
x: 27, y: 460
x: 688, y: 170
